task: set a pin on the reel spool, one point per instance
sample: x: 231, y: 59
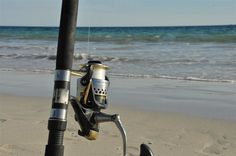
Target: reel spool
x: 92, y: 88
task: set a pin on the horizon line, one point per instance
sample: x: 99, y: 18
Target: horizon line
x: 42, y: 26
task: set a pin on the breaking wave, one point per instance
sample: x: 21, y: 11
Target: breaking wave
x: 82, y: 56
x: 187, y: 78
x: 138, y: 76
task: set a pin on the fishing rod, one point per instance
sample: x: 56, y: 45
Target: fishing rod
x: 92, y: 91
x: 65, y: 52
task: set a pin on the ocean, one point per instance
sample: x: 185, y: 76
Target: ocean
x: 196, y: 53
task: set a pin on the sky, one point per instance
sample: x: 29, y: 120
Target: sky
x: 121, y: 12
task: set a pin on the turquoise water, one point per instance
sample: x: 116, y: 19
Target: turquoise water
x: 201, y: 53
x: 127, y: 34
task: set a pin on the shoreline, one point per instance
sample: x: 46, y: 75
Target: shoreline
x: 200, y: 99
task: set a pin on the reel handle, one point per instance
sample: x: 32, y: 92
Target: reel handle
x: 102, y: 117
x: 145, y: 150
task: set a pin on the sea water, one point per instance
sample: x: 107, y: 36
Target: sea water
x: 200, y: 53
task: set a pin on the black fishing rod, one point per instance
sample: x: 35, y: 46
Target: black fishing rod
x: 65, y: 52
x: 92, y: 91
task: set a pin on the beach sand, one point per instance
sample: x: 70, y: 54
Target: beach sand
x: 24, y: 117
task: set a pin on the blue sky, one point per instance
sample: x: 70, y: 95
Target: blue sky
x: 121, y: 12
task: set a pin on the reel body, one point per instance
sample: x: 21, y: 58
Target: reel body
x: 91, y: 97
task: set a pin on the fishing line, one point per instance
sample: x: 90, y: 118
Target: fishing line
x: 89, y: 30
x: 88, y: 41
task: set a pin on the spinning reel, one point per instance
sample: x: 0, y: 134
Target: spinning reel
x: 91, y: 99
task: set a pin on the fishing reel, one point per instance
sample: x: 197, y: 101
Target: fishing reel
x: 91, y: 98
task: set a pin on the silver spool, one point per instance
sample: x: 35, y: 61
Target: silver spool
x: 100, y: 90
x: 99, y: 71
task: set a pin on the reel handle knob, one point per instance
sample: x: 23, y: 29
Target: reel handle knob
x: 145, y: 150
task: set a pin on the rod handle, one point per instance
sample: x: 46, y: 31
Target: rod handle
x: 54, y: 150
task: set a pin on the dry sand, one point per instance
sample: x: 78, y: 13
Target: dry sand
x: 23, y: 132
